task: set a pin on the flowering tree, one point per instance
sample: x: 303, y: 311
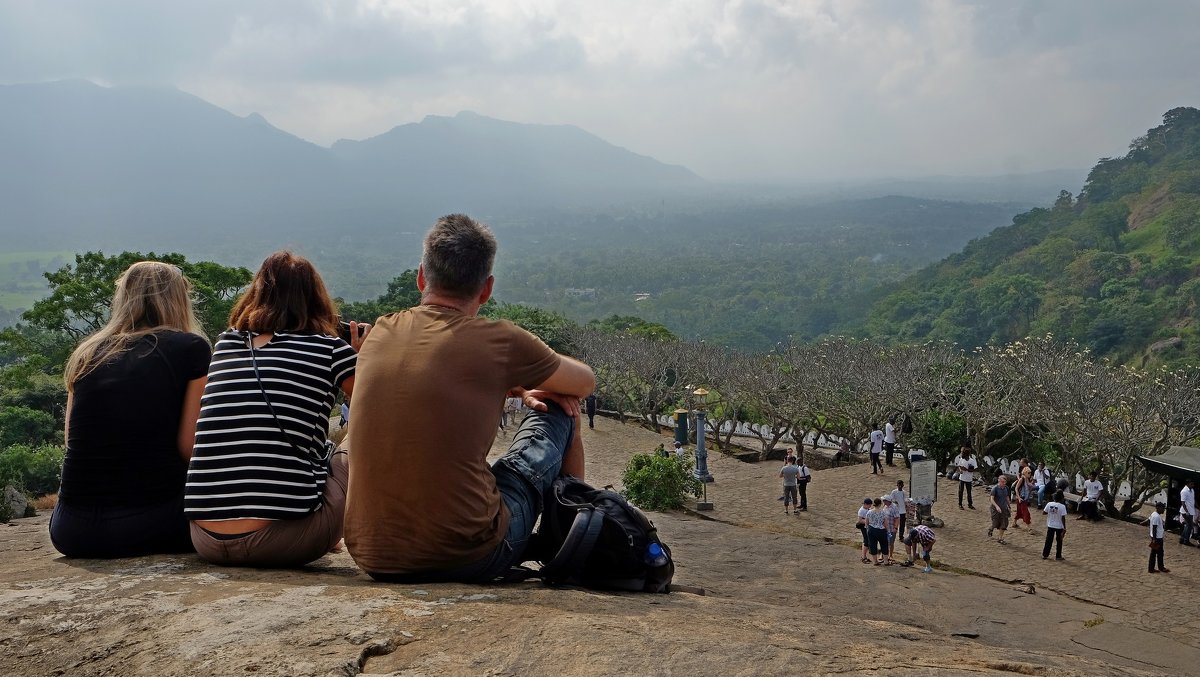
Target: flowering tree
x: 1095, y: 415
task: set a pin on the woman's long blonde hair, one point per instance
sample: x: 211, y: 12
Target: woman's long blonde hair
x: 150, y: 297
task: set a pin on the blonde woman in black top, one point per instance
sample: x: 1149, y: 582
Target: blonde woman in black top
x: 133, y: 395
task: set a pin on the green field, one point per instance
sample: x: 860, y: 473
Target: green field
x: 21, y: 281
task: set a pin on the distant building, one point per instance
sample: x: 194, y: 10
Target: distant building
x: 641, y: 296
x: 589, y: 293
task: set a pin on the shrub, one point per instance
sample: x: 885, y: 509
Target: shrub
x: 939, y: 433
x: 657, y: 483
x: 22, y: 425
x: 37, y: 470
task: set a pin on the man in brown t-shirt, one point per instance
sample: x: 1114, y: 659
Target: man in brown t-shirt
x: 422, y: 502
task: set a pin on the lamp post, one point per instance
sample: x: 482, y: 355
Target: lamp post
x: 701, y: 472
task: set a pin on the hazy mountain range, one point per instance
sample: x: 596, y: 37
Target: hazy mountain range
x: 77, y: 159
x: 88, y: 166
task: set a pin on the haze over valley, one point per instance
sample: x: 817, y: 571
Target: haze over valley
x: 156, y: 169
x: 743, y: 173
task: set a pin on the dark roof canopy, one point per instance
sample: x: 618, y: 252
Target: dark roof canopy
x: 1181, y: 462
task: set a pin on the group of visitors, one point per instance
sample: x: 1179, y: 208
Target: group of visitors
x: 1187, y: 523
x: 677, y: 450
x: 1010, y: 505
x: 173, y: 446
x: 796, y: 476
x: 1023, y: 491
x: 882, y: 522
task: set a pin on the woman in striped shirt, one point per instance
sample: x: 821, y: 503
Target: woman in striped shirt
x: 265, y: 487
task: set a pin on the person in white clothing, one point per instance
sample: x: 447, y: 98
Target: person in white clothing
x: 889, y: 440
x: 1156, y: 537
x: 1056, y: 526
x: 1041, y: 479
x: 1090, y: 505
x: 966, y: 465
x: 1187, y: 511
x: 876, y: 449
x: 900, y: 500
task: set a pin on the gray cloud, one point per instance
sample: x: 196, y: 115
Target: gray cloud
x: 733, y: 89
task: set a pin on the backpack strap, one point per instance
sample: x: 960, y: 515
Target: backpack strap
x: 580, y: 541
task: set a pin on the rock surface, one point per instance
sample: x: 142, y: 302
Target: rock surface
x: 14, y: 502
x: 776, y: 603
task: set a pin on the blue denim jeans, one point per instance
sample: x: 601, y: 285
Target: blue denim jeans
x: 523, y: 475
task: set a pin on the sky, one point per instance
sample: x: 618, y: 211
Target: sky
x: 740, y: 90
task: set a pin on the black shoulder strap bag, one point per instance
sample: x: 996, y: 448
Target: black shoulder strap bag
x: 303, y: 453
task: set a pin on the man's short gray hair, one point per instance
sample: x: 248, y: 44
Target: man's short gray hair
x: 458, y: 257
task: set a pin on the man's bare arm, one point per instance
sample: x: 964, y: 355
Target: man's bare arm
x: 572, y: 378
x: 572, y: 381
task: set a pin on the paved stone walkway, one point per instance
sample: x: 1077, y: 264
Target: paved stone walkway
x: 1105, y: 562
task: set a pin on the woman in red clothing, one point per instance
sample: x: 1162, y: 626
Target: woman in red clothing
x: 1024, y: 490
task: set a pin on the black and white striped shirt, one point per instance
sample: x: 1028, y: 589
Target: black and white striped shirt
x: 243, y: 467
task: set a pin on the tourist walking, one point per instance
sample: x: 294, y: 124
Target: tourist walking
x: 1187, y: 511
x: 876, y: 449
x: 1023, y: 489
x: 1000, y: 508
x: 589, y: 408
x: 965, y: 464
x: 1156, y: 537
x: 1056, y: 525
x: 789, y: 473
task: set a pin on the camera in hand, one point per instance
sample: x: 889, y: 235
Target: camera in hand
x: 344, y: 330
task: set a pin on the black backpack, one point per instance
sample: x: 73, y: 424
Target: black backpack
x: 594, y: 538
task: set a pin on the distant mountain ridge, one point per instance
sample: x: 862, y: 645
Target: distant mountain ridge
x: 75, y: 156
x: 481, y: 159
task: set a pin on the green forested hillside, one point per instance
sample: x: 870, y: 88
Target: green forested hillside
x: 1116, y: 268
x: 746, y: 276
